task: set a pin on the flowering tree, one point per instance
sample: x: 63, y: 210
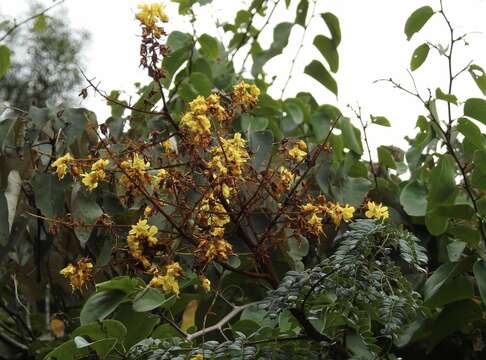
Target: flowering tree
x: 208, y: 220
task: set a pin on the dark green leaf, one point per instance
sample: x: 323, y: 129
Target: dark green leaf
x: 149, y: 299
x: 4, y: 225
x: 419, y: 56
x: 476, y: 109
x: 332, y: 23
x: 385, y: 158
x: 209, y: 46
x: 49, y: 193
x: 479, y: 270
x: 439, y: 94
x: 139, y: 325
x: 414, y: 198
x: 417, y: 20
x: 316, y: 70
x: 479, y: 77
x: 301, y: 13
x: 124, y: 283
x: 380, y: 120
x: 471, y: 132
x: 84, y: 210
x: 327, y: 48
x: 100, y: 305
x: 4, y: 60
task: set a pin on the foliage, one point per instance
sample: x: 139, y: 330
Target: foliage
x: 44, y: 57
x: 210, y: 220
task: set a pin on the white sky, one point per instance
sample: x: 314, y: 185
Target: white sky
x: 373, y: 46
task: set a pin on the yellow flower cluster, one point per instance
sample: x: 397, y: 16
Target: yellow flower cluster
x: 230, y: 153
x: 213, y: 103
x: 287, y: 177
x: 160, y: 176
x: 338, y: 213
x: 299, y: 151
x: 198, y: 357
x: 168, y: 283
x: 334, y: 211
x: 78, y: 274
x: 245, y: 95
x: 150, y: 14
x: 205, y: 283
x: 376, y: 211
x: 215, y: 249
x: 142, y: 234
x: 60, y: 165
x: 97, y: 174
x: 214, y: 212
x: 168, y: 146
x: 313, y: 222
x: 136, y: 172
x: 196, y: 122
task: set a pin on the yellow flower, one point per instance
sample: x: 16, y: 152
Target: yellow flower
x: 174, y: 270
x: 198, y: 125
x: 166, y: 283
x: 348, y: 212
x: 245, y: 95
x: 215, y: 108
x: 217, y: 232
x: 140, y: 234
x: 299, y: 151
x: 376, y: 211
x: 148, y: 211
x: 286, y: 176
x: 232, y: 152
x: 61, y: 165
x: 315, y: 224
x: 150, y: 14
x: 161, y: 176
x: 79, y: 274
x: 219, y: 249
x: 90, y: 180
x: 168, y: 146
x: 205, y: 283
x: 198, y: 357
x: 198, y: 105
x: 309, y: 208
x: 136, y: 172
x: 97, y: 174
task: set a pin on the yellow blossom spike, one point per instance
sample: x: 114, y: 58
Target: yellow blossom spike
x: 376, y: 211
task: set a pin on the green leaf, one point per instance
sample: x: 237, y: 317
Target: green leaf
x: 40, y: 23
x: 479, y: 77
x: 260, y: 143
x: 414, y: 198
x: 419, y: 56
x: 139, y: 324
x: 443, y: 275
x: 100, y: 305
x: 321, y: 124
x: 476, y: 108
x: 317, y: 71
x: 457, y: 211
x: 85, y: 210
x: 479, y: 270
x: 301, y: 12
x: 294, y: 115
x: 4, y: 60
x: 49, y: 193
x: 209, y: 46
x: 417, y: 20
x: 380, y: 120
x: 201, y: 83
x: 439, y: 94
x: 471, y: 132
x: 124, y: 283
x: 385, y: 158
x: 350, y: 135
x: 332, y: 23
x: 67, y: 351
x: 460, y: 288
x: 149, y: 299
x: 328, y: 49
x: 442, y: 185
x: 453, y: 318
x: 4, y: 224
x: 281, y: 34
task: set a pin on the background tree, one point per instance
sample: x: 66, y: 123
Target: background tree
x: 46, y: 55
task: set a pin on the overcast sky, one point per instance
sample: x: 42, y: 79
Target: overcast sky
x: 373, y: 46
